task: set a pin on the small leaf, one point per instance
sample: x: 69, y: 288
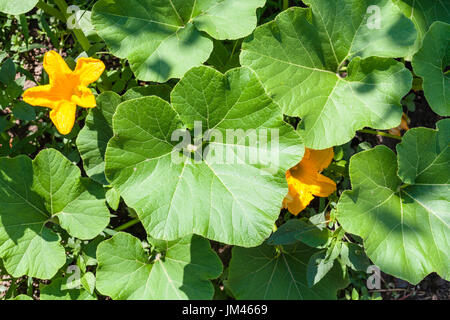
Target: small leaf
x: 298, y: 230
x: 57, y: 291
x: 7, y: 71
x: 318, y: 268
x: 23, y: 111
x: 353, y: 256
x: 113, y: 198
x: 88, y: 282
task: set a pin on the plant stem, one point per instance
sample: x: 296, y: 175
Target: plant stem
x: 127, y: 225
x: 81, y: 37
x: 380, y: 133
x: 50, y: 10
x: 285, y: 4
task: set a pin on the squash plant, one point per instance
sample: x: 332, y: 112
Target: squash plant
x: 216, y: 151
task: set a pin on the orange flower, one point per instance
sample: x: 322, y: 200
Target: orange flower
x: 403, y: 126
x: 305, y: 181
x: 66, y: 90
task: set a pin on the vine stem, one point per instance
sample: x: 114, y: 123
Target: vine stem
x: 380, y: 133
x: 127, y: 225
x: 285, y: 4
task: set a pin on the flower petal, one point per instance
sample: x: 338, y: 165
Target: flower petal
x: 318, y: 159
x: 305, y: 181
x: 55, y: 66
x: 63, y: 116
x: 84, y: 97
x: 43, y: 96
x: 322, y: 186
x: 89, y: 70
x: 298, y: 197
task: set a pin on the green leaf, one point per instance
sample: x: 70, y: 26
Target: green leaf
x: 89, y: 251
x: 405, y: 227
x: 17, y: 7
x: 299, y: 58
x: 298, y: 230
x: 7, y: 72
x: 22, y: 297
x: 233, y: 201
x: 424, y: 155
x: 354, y: 256
x: 260, y: 273
x: 58, y: 290
x: 94, y: 136
x: 431, y: 63
x: 181, y: 271
x: 160, y: 90
x: 23, y: 111
x: 113, y: 198
x: 88, y: 282
x: 170, y: 38
x: 423, y: 13
x: 225, y: 57
x: 32, y: 193
x: 318, y: 267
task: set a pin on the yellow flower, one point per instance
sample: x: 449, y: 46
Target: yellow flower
x: 305, y: 181
x: 66, y: 90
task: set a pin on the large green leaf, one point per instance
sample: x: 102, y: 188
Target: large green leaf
x: 431, y: 63
x: 404, y: 219
x: 235, y: 200
x: 299, y: 58
x: 17, y: 7
x: 423, y: 13
x: 260, y: 273
x: 181, y: 269
x: 164, y: 39
x: 32, y: 193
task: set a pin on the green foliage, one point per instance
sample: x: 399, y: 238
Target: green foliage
x: 175, y: 270
x: 226, y: 202
x: 423, y: 13
x: 403, y: 215
x: 300, y: 55
x: 263, y: 273
x: 175, y: 185
x: 171, y: 37
x: 430, y: 63
x: 33, y: 193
